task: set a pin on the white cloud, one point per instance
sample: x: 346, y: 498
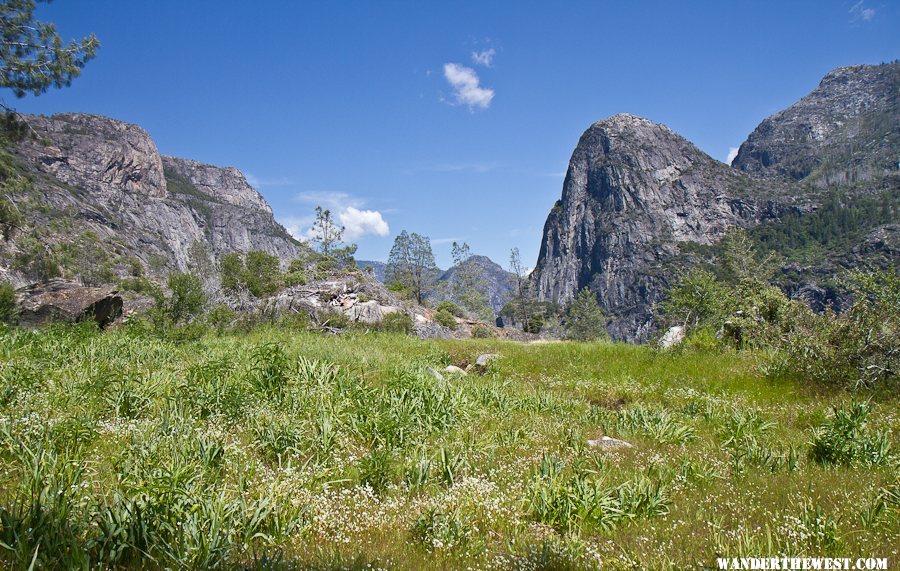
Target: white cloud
x: 484, y: 57
x: 347, y: 210
x: 859, y: 12
x: 466, y: 88
x: 358, y: 223
x: 732, y: 152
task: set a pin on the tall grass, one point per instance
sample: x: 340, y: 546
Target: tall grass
x: 274, y: 449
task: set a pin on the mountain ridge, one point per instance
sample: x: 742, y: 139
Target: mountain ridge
x: 96, y: 175
x: 636, y: 193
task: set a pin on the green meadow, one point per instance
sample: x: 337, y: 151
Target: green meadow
x: 286, y: 449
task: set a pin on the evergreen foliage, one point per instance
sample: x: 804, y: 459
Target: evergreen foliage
x: 585, y: 320
x: 33, y: 57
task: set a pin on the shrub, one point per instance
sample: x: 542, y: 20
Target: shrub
x: 857, y: 347
x: 187, y: 297
x: 535, y: 323
x: 37, y: 258
x: 87, y: 257
x: 294, y: 278
x: 220, y: 317
x: 585, y: 318
x: 261, y: 273
x: 140, y: 285
x: 450, y: 307
x: 483, y: 332
x: 231, y: 270
x: 446, y: 319
x: 696, y: 300
x: 8, y: 308
x: 397, y: 322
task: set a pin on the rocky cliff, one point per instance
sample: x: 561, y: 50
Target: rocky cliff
x: 636, y: 193
x: 844, y: 131
x: 94, y: 176
x: 633, y: 191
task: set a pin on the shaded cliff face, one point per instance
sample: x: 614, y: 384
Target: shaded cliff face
x: 106, y: 176
x: 633, y: 191
x: 843, y: 132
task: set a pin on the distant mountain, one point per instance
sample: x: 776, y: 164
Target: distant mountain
x: 498, y: 283
x: 818, y: 182
x: 845, y: 131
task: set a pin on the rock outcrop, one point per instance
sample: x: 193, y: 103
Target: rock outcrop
x: 359, y: 298
x: 61, y: 300
x: 634, y: 190
x: 96, y: 154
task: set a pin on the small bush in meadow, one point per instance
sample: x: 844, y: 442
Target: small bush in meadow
x: 846, y: 440
x: 397, y: 322
x: 483, y: 332
x: 445, y: 318
x: 450, y: 307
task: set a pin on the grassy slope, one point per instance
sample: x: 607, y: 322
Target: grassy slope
x: 227, y: 451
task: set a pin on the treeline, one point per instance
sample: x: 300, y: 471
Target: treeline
x: 837, y: 222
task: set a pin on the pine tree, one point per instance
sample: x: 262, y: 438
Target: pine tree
x: 326, y: 232
x: 585, y: 320
x: 33, y: 57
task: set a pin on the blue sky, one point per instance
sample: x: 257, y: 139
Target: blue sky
x: 455, y: 120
